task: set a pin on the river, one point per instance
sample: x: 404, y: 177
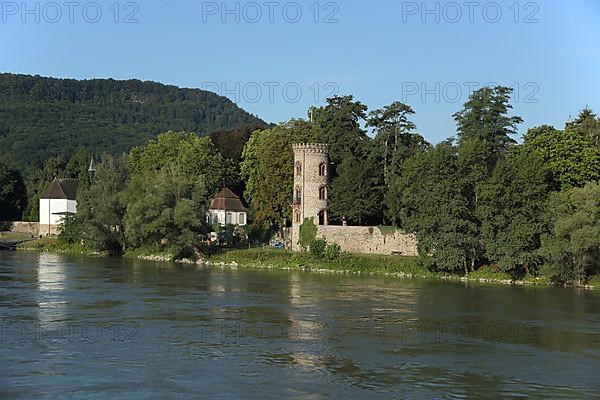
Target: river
x: 104, y: 328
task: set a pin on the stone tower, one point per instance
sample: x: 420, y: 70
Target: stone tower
x: 311, y: 176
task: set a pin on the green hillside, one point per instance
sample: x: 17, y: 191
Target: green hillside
x: 46, y: 117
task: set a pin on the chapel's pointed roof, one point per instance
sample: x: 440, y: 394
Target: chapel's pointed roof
x: 62, y: 189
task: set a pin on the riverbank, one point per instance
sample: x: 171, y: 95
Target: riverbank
x: 364, y: 264
x: 349, y: 264
x: 52, y: 245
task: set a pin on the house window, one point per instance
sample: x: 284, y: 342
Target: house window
x: 229, y: 219
x: 323, y: 169
x: 298, y: 168
x: 323, y: 193
x: 242, y: 219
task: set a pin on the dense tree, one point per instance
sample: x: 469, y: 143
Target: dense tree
x: 194, y: 156
x: 568, y: 154
x: 395, y: 141
x: 56, y: 167
x: 69, y: 231
x: 77, y: 166
x: 101, y: 208
x: 267, y: 169
x: 251, y: 159
x: 588, y: 124
x: 340, y: 121
x: 572, y: 250
x: 485, y: 117
x: 394, y: 136
x: 231, y: 142
x: 172, y: 178
x: 437, y: 194
x: 512, y: 207
x: 357, y: 192
x: 435, y: 207
x: 270, y: 201
x: 169, y: 214
x: 45, y: 117
x: 12, y: 194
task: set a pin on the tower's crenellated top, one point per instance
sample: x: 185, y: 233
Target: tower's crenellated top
x: 321, y: 148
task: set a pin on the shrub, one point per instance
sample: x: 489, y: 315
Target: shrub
x: 317, y: 248
x: 308, y: 232
x: 333, y: 252
x: 257, y: 233
x: 69, y: 230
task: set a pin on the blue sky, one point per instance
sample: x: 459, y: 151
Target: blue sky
x: 276, y: 63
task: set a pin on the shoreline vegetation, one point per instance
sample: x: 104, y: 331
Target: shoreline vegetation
x: 480, y: 204
x: 285, y: 260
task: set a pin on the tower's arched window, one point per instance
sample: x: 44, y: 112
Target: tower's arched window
x: 298, y: 168
x: 323, y: 193
x: 297, y: 217
x: 298, y: 195
x: 323, y: 169
x: 323, y: 218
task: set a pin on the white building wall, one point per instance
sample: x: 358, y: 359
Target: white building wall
x: 49, y: 208
x: 223, y: 218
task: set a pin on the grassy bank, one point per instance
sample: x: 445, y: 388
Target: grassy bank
x: 51, y: 244
x: 14, y: 236
x: 267, y: 258
x: 364, y: 264
x: 355, y: 263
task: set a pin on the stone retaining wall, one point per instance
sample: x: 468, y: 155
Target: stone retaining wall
x: 369, y: 240
x: 27, y: 228
x: 45, y: 230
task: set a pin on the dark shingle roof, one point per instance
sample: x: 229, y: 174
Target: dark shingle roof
x: 62, y: 189
x: 228, y: 201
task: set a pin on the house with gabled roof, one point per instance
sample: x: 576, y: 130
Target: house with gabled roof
x: 58, y: 201
x: 226, y: 208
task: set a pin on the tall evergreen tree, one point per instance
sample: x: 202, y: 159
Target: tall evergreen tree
x: 485, y: 117
x: 101, y: 208
x: 588, y: 124
x: 394, y: 133
x: 511, y: 210
x: 356, y: 194
x: 435, y: 207
x: 340, y: 121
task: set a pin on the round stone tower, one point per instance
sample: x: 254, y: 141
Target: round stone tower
x: 311, y: 176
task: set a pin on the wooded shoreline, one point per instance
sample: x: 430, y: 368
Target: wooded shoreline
x: 349, y: 264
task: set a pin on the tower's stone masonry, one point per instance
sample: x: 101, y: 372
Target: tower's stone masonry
x: 311, y: 176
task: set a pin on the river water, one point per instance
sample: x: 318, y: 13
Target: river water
x: 102, y: 328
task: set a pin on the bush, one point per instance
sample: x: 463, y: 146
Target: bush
x: 308, y: 233
x: 257, y: 233
x: 333, y: 252
x: 69, y: 231
x: 317, y: 248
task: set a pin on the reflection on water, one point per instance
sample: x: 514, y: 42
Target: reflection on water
x: 77, y: 327
x: 50, y: 296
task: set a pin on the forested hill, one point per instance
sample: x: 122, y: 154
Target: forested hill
x: 45, y: 117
